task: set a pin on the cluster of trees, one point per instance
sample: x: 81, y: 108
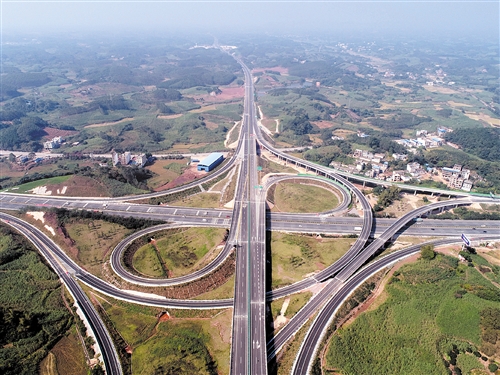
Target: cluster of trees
x: 32, y: 317
x: 24, y: 134
x: 15, y: 79
x: 386, y: 196
x: 65, y: 216
x: 490, y: 324
x: 482, y: 142
x: 463, y: 213
x: 331, y: 73
x: 299, y: 125
x: 184, y: 78
x: 427, y: 252
x: 117, y: 178
x: 334, y: 152
x: 103, y: 104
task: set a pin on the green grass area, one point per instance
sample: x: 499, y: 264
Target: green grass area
x: 182, y: 251
x: 202, y: 200
x: 25, y: 188
x: 94, y: 239
x: 190, y: 342
x: 146, y: 261
x: 297, y: 301
x: 407, y: 332
x: 224, y: 291
x: 294, y: 256
x: 302, y: 198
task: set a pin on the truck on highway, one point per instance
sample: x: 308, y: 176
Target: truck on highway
x: 357, y: 228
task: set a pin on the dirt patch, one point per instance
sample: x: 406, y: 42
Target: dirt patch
x: 483, y: 117
x: 211, y: 125
x: 226, y: 94
x: 80, y: 186
x: 53, y: 132
x: 455, y: 104
x: 441, y: 90
x: 189, y: 175
x: 109, y: 123
x: 323, y: 124
x: 169, y: 116
x: 279, y: 69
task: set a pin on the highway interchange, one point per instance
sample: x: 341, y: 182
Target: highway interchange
x: 247, y: 223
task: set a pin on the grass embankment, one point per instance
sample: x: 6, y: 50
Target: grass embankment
x: 294, y: 256
x: 202, y: 200
x: 301, y: 198
x: 225, y: 291
x: 27, y: 187
x: 430, y: 306
x: 188, y: 342
x: 180, y: 252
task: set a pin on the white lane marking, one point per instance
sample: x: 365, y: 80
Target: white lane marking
x: 175, y: 210
x: 128, y: 208
x: 148, y: 209
x: 85, y: 205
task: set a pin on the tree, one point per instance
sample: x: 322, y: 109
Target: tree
x: 427, y: 252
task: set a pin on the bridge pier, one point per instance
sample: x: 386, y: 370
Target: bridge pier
x: 364, y: 182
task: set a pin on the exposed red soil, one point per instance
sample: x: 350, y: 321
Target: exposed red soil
x: 323, y: 124
x: 53, y: 132
x: 280, y: 69
x: 189, y: 175
x: 227, y: 93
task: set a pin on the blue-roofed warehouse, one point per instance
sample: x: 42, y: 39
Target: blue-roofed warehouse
x: 210, y: 162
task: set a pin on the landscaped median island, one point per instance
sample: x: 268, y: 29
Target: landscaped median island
x: 296, y: 256
x: 437, y: 315
x: 306, y: 197
x: 178, y: 252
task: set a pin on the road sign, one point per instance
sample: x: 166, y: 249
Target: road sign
x: 466, y: 240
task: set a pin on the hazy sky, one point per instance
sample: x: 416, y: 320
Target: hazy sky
x: 412, y: 17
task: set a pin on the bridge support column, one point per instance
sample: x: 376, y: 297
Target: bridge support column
x: 364, y: 182
x: 415, y: 192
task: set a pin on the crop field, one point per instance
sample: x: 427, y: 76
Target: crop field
x: 26, y: 188
x: 181, y: 252
x: 295, y: 256
x: 302, y: 198
x: 426, y: 309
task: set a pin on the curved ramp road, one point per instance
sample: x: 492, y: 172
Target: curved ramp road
x: 105, y: 288
x: 315, y: 335
x: 109, y: 354
x: 121, y: 271
x: 345, y: 195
